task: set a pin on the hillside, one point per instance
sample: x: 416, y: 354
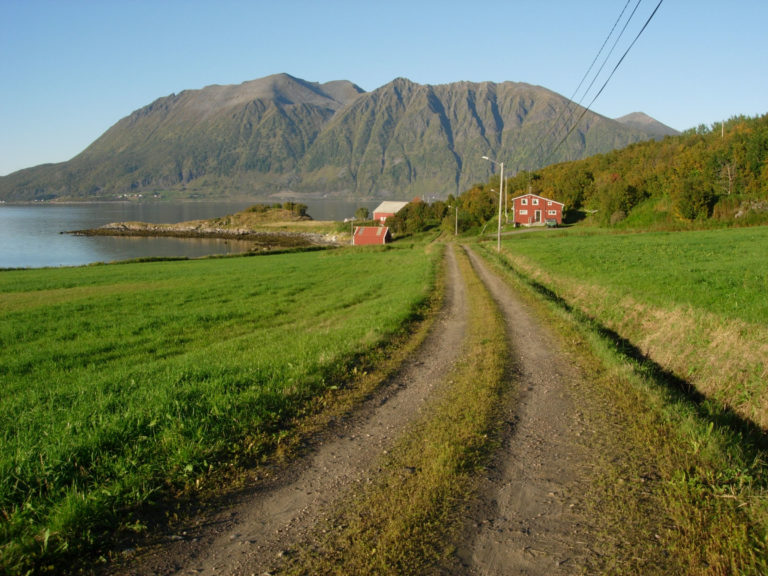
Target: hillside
x: 281, y: 134
x: 715, y: 174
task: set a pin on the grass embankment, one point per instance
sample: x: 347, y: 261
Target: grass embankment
x: 125, y: 384
x: 404, y: 522
x: 688, y: 494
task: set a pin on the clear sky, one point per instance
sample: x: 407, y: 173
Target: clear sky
x: 69, y: 69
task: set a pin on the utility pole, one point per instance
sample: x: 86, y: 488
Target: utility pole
x: 456, y: 222
x: 498, y: 234
x: 501, y: 199
x: 504, y: 186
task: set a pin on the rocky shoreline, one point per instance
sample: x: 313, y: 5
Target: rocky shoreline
x: 277, y: 238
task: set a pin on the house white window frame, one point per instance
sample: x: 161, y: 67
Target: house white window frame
x: 524, y: 201
x: 535, y: 202
x: 523, y: 212
x: 551, y: 212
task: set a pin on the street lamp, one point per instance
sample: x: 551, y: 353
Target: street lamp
x: 503, y: 190
x: 501, y: 187
x: 456, y: 221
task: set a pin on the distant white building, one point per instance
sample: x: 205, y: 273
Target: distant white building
x: 386, y: 209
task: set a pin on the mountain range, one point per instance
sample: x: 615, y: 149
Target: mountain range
x: 283, y: 136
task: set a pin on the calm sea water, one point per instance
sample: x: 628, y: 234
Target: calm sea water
x: 30, y: 235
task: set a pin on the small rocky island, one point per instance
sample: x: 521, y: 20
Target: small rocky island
x: 276, y: 226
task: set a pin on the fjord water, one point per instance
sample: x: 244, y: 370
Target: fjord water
x: 31, y: 235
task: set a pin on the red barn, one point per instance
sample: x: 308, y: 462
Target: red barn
x: 533, y: 210
x: 367, y: 235
x: 386, y: 209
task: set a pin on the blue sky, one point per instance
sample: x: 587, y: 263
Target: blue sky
x: 72, y: 68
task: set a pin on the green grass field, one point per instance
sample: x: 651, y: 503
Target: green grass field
x: 120, y: 382
x: 693, y: 302
x: 722, y: 271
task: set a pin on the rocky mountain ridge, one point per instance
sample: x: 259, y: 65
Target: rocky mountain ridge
x: 284, y: 136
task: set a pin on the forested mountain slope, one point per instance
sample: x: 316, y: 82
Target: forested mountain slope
x: 718, y: 172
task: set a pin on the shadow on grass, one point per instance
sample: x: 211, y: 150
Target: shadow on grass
x: 741, y: 431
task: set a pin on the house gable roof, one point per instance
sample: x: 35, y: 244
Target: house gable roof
x: 371, y: 231
x: 390, y: 207
x: 371, y: 235
x: 539, y: 197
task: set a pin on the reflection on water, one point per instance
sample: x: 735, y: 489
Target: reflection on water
x: 30, y: 235
x: 128, y: 247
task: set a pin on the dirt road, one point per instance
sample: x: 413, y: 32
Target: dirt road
x: 527, y: 518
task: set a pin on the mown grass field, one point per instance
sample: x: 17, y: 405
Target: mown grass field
x: 721, y: 271
x: 124, y: 383
x: 694, y: 302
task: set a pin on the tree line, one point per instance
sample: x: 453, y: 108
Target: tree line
x: 718, y: 172
x: 709, y: 175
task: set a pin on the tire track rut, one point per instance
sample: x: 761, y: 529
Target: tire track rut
x: 529, y: 517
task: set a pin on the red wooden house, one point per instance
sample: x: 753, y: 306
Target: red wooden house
x: 533, y: 210
x: 368, y: 235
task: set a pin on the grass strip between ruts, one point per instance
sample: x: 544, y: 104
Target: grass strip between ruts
x: 404, y: 521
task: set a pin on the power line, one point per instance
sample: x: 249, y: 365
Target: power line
x: 648, y: 21
x: 610, y: 53
x: 567, y: 107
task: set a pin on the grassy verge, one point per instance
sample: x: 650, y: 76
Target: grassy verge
x: 403, y: 522
x: 682, y: 487
x: 124, y: 385
x: 693, y: 302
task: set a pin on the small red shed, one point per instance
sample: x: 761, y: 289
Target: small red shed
x: 386, y: 209
x: 532, y: 210
x: 367, y: 235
